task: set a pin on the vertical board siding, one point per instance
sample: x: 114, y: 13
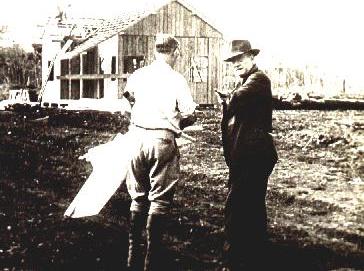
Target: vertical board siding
x: 197, y: 26
x: 165, y: 19
x: 176, y: 19
x: 187, y: 23
x: 201, y: 49
x: 202, y: 46
x: 171, y: 18
x: 197, y: 38
x: 161, y: 16
x: 121, y: 82
x: 181, y: 21
x: 214, y: 69
x: 150, y: 54
x: 133, y: 45
x: 190, y: 48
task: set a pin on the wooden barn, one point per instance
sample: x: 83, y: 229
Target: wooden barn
x: 98, y: 63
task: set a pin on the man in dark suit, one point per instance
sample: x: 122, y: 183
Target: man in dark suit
x: 250, y: 155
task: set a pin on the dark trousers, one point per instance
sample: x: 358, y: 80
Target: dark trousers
x: 245, y: 209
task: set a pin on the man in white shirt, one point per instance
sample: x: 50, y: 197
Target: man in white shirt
x: 162, y: 106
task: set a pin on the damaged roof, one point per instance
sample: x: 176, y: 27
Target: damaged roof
x: 119, y: 24
x: 70, y: 26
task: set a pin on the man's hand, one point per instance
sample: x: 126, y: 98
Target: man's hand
x: 187, y: 121
x: 222, y: 96
x: 129, y: 97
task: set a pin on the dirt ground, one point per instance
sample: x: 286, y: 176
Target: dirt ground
x: 315, y: 196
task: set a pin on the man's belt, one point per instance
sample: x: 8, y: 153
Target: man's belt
x: 153, y: 132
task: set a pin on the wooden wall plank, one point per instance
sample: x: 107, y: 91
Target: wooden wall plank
x: 212, y: 70
x: 138, y: 45
x: 191, y: 53
x: 120, y: 64
x: 161, y: 18
x: 145, y: 45
x: 189, y: 23
x: 177, y: 18
x: 171, y: 18
x: 192, y: 24
x: 157, y: 22
x: 91, y: 76
x: 130, y: 30
x: 132, y: 45
x: 173, y: 15
x: 127, y: 49
x: 136, y: 28
x: 216, y: 67
x: 197, y: 26
x: 140, y: 27
x: 153, y: 29
x: 165, y: 19
x: 181, y: 20
x: 125, y: 45
x: 203, y: 32
x: 202, y: 46
x: 150, y: 54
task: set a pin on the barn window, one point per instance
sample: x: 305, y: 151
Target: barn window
x: 64, y: 89
x: 64, y: 67
x: 101, y: 88
x: 75, y: 65
x: 101, y: 67
x: 51, y: 74
x: 89, y: 61
x: 89, y: 88
x: 131, y: 63
x: 199, y: 69
x: 113, y: 66
x: 75, y: 89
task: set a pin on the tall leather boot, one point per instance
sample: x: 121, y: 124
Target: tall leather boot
x: 137, y: 222
x: 153, y: 259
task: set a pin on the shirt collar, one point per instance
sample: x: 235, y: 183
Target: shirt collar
x: 162, y: 63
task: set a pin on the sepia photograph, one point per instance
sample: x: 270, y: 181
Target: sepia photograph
x: 246, y: 153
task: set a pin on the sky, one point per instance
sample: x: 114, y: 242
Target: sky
x: 323, y: 33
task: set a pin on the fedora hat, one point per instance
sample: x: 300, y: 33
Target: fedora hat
x: 239, y: 47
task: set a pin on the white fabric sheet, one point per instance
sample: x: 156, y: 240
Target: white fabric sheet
x: 109, y: 163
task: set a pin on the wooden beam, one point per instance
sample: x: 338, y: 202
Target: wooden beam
x: 177, y: 36
x: 97, y: 64
x: 93, y: 76
x: 70, y: 83
x: 81, y: 73
x: 120, y: 61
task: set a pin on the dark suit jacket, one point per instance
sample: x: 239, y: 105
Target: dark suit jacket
x: 247, y: 121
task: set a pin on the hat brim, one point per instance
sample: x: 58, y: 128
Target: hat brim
x: 230, y: 57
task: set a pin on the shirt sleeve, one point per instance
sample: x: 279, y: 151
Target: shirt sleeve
x: 130, y: 88
x: 185, y: 103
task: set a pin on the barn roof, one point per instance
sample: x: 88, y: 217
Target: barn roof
x: 68, y: 26
x: 126, y: 19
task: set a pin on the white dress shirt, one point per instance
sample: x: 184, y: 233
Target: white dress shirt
x: 162, y: 97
